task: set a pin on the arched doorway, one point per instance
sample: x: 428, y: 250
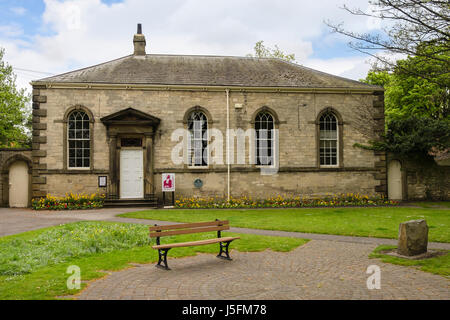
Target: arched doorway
x: 395, y: 186
x: 18, y: 184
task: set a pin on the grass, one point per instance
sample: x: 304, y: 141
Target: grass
x: 33, y: 264
x: 438, y: 265
x: 380, y: 222
x: 24, y: 254
x: 432, y: 204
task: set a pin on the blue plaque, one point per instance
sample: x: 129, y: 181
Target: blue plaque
x: 198, y: 183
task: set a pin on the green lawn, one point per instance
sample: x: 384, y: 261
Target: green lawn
x: 437, y: 265
x: 379, y: 222
x: 432, y: 204
x: 33, y: 264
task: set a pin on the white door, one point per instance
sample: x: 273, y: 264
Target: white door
x: 395, y: 180
x: 131, y: 174
x: 18, y: 184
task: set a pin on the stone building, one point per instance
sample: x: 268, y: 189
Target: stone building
x: 120, y: 120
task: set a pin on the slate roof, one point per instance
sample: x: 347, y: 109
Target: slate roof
x: 193, y: 70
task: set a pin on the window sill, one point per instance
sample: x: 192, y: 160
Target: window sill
x: 198, y: 167
x: 261, y: 166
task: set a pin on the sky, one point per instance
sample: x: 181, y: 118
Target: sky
x: 47, y: 37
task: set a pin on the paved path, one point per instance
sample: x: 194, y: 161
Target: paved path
x: 20, y: 220
x: 15, y: 220
x: 328, y: 267
x: 318, y: 270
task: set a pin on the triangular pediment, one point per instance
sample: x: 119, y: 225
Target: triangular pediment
x: 130, y: 116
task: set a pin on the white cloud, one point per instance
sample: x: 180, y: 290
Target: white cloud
x: 87, y: 32
x: 11, y: 30
x: 353, y: 67
x: 20, y: 11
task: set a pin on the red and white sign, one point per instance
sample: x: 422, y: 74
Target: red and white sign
x: 168, y: 182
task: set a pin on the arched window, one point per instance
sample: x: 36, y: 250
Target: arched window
x: 264, y: 126
x: 328, y: 136
x: 198, y: 126
x: 78, y: 140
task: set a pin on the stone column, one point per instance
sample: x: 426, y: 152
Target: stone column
x: 39, y: 181
x: 148, y: 165
x: 113, y: 168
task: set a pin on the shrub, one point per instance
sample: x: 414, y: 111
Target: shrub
x: 69, y: 202
x: 348, y: 199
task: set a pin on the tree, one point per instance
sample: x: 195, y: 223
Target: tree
x: 420, y: 28
x: 14, y: 115
x: 406, y: 94
x: 417, y: 112
x: 414, y: 137
x: 261, y: 51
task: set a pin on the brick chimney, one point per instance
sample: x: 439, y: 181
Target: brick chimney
x: 139, y: 42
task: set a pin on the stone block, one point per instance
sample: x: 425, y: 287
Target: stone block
x: 379, y: 164
x: 39, y: 126
x: 412, y: 237
x: 39, y: 153
x: 39, y: 193
x: 40, y: 112
x: 40, y: 166
x: 40, y: 99
x: 38, y: 180
x: 39, y: 139
x: 380, y: 176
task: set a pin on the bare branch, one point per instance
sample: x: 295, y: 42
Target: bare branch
x: 417, y: 23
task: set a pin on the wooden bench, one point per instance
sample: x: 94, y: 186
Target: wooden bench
x: 188, y: 228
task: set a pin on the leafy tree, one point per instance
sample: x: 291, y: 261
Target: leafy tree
x: 261, y: 51
x: 416, y: 108
x: 14, y: 114
x: 417, y: 112
x: 406, y: 94
x: 414, y: 137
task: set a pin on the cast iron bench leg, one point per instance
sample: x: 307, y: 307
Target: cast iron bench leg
x: 224, y: 245
x: 163, y: 258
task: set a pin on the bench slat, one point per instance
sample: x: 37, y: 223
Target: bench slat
x: 189, y: 225
x: 194, y: 243
x: 187, y: 231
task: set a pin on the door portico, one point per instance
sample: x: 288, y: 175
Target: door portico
x: 130, y: 165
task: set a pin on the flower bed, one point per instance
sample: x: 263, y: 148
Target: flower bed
x: 348, y: 199
x: 69, y: 202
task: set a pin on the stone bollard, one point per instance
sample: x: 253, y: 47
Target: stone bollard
x: 412, y: 237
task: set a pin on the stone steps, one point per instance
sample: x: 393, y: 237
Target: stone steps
x: 151, y: 202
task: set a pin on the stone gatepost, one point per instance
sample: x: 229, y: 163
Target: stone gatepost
x: 412, y: 237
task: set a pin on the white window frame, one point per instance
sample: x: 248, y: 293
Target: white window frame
x: 190, y: 148
x: 76, y: 139
x: 337, y: 142
x: 272, y: 144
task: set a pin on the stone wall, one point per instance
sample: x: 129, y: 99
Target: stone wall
x: 359, y: 170
x: 424, y: 180
x: 286, y: 184
x: 8, y: 157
